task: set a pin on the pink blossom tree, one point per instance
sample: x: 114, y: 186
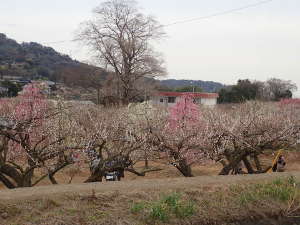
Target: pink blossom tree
x: 178, y: 135
x: 31, y: 138
x: 294, y: 102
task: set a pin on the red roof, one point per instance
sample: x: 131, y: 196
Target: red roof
x: 192, y: 94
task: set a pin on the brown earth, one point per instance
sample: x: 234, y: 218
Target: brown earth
x: 205, y: 169
x: 208, y: 182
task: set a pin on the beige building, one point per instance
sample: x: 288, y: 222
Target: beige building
x: 171, y: 98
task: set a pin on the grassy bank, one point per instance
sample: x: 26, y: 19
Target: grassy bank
x: 272, y: 202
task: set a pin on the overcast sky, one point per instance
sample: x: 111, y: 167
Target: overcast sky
x: 255, y: 43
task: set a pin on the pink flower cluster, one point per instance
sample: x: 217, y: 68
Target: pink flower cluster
x: 184, y: 113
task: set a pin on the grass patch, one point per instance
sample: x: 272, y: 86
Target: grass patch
x: 72, y: 211
x: 222, y: 204
x: 279, y: 190
x: 168, y: 206
x: 280, y: 196
x: 9, y: 210
x: 138, y: 207
x: 47, y: 204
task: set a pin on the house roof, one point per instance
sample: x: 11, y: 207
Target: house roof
x: 191, y: 94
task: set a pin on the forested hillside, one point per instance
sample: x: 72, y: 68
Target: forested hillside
x: 207, y: 86
x: 30, y: 60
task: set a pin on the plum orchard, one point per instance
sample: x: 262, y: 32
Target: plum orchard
x: 38, y: 138
x: 230, y: 136
x: 248, y: 130
x: 33, y: 135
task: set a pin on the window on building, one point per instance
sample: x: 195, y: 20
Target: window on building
x: 197, y: 100
x: 161, y: 100
x: 171, y: 99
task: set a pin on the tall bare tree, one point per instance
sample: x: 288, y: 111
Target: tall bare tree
x: 276, y: 89
x: 121, y: 39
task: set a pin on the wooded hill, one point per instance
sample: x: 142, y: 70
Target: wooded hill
x: 206, y: 86
x: 30, y: 60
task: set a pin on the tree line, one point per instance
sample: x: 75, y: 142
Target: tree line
x: 245, y: 90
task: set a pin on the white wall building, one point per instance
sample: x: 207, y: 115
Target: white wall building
x: 171, y: 98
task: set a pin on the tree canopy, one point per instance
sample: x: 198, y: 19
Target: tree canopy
x: 271, y: 90
x: 121, y: 37
x: 189, y: 89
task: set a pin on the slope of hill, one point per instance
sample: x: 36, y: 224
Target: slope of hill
x: 30, y: 60
x: 207, y: 86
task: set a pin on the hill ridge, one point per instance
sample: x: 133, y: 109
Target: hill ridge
x: 207, y: 86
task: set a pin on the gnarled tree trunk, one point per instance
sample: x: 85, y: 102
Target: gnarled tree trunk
x: 184, y: 168
x: 232, y: 163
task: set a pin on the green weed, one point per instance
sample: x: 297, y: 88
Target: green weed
x: 71, y: 211
x: 167, y: 206
x: 138, y: 207
x: 159, y: 211
x: 281, y: 190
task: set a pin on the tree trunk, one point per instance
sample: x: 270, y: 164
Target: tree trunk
x: 257, y: 163
x: 184, y: 168
x: 95, y: 177
x: 146, y: 161
x: 52, y: 179
x: 232, y: 164
x: 98, y: 96
x: 248, y: 165
x: 59, y: 166
x: 146, y: 164
x: 27, y: 179
x: 13, y: 174
x: 226, y: 169
x: 6, y: 182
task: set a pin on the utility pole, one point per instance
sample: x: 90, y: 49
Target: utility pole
x: 192, y: 86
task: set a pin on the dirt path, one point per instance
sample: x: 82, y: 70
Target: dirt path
x: 132, y: 186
